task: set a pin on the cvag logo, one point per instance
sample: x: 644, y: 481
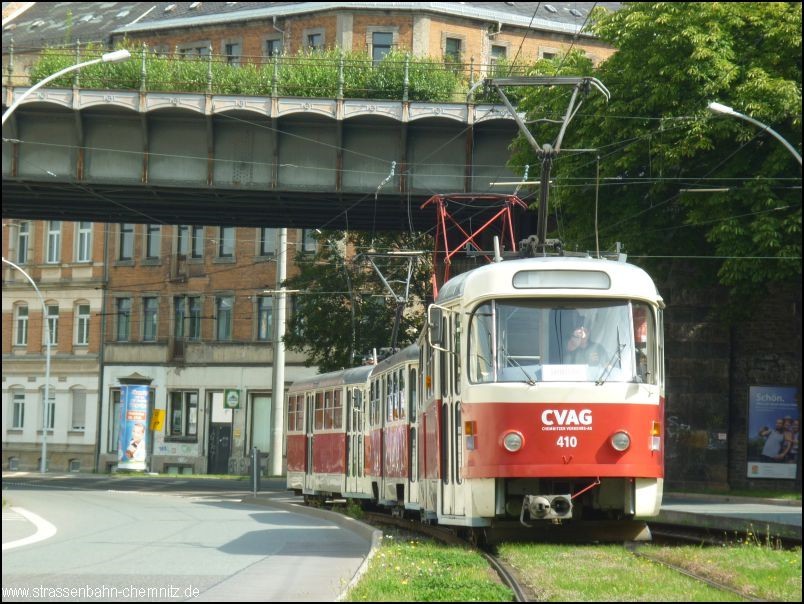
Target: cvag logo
x: 567, y: 417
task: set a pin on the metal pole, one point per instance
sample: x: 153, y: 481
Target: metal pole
x: 278, y: 387
x: 43, y: 462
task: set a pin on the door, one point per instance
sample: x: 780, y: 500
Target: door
x: 219, y: 444
x: 452, y: 503
x: 220, y: 448
x: 308, y: 428
x: 354, y: 438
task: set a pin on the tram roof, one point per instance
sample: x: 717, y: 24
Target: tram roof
x: 409, y: 353
x: 553, y: 276
x: 344, y: 377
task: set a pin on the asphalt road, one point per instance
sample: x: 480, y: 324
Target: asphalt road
x: 163, y: 539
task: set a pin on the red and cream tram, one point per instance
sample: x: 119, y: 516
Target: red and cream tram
x: 536, y: 401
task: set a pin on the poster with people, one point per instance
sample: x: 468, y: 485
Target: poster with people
x: 773, y: 432
x: 132, y: 449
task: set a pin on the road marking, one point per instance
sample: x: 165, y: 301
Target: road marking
x: 44, y: 530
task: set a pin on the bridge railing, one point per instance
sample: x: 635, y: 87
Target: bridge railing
x: 317, y: 74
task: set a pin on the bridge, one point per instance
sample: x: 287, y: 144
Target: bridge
x: 194, y: 158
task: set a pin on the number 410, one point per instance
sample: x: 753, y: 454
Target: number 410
x: 567, y: 441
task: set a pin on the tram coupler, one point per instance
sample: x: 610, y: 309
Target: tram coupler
x: 546, y: 507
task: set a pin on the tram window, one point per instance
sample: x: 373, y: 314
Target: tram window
x: 644, y: 347
x: 319, y: 411
x: 337, y: 410
x: 412, y: 391
x: 328, y: 410
x: 456, y: 356
x: 400, y: 396
x: 413, y: 461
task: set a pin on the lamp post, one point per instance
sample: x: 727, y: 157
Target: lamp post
x: 109, y: 57
x: 43, y: 462
x: 726, y: 110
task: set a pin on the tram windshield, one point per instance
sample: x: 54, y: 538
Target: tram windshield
x: 567, y: 340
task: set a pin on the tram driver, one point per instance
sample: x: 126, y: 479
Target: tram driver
x: 581, y: 349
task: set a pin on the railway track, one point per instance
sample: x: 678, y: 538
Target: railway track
x: 449, y: 537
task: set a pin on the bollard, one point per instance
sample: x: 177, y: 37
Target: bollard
x: 255, y: 470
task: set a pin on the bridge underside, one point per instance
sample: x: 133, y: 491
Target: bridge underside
x: 194, y: 159
x: 215, y: 206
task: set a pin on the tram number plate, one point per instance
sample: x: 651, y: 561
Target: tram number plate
x: 567, y: 441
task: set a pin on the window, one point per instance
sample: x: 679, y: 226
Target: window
x: 193, y: 328
x: 123, y: 319
x: 183, y: 414
x: 296, y: 413
x: 50, y: 408
x: 18, y: 409
x: 498, y: 54
x: 83, y: 251
x: 273, y: 47
x: 265, y: 311
x: 315, y: 41
x: 126, y: 243
x: 232, y: 51
x: 53, y: 251
x: 223, y: 318
x: 381, y: 42
x: 149, y: 318
x: 226, y: 240
x: 21, y: 325
x: 53, y: 322
x: 318, y: 413
x: 198, y: 242
x: 23, y: 240
x: 152, y: 240
x: 78, y: 415
x: 267, y: 241
x: 309, y: 242
x: 183, y: 240
x: 195, y: 49
x: 82, y: 325
x: 452, y: 50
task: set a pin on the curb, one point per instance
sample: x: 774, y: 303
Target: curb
x: 368, y: 532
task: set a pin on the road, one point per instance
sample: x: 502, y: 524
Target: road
x: 167, y: 539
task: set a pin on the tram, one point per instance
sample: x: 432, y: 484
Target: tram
x: 532, y: 403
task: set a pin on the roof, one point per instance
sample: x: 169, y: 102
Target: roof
x: 59, y: 23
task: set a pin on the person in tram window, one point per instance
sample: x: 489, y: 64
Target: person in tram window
x: 581, y: 350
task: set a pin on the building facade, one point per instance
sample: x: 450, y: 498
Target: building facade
x: 65, y: 259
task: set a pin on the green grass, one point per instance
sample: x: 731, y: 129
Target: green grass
x: 416, y: 570
x: 609, y: 573
x: 764, y: 572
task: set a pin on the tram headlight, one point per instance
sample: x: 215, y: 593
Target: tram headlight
x: 512, y: 441
x: 620, y: 441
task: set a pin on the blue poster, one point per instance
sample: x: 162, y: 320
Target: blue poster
x: 132, y: 449
x: 773, y: 432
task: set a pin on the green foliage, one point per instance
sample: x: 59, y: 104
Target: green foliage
x: 343, y: 310
x: 655, y: 138
x: 313, y: 74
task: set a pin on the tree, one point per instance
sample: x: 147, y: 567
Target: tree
x: 343, y: 310
x: 656, y: 141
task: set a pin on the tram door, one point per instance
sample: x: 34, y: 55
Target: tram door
x: 452, y: 502
x: 308, y: 428
x: 354, y: 419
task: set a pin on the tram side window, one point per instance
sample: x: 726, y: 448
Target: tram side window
x: 337, y: 410
x: 644, y: 343
x: 400, y: 396
x: 319, y: 411
x: 412, y: 392
x: 328, y: 410
x: 295, y: 417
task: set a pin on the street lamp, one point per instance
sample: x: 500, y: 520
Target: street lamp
x: 46, y: 324
x: 109, y: 57
x: 725, y: 110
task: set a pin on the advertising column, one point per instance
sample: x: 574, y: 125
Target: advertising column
x: 132, y: 450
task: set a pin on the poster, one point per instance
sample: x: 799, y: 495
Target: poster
x: 773, y: 432
x: 132, y: 449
